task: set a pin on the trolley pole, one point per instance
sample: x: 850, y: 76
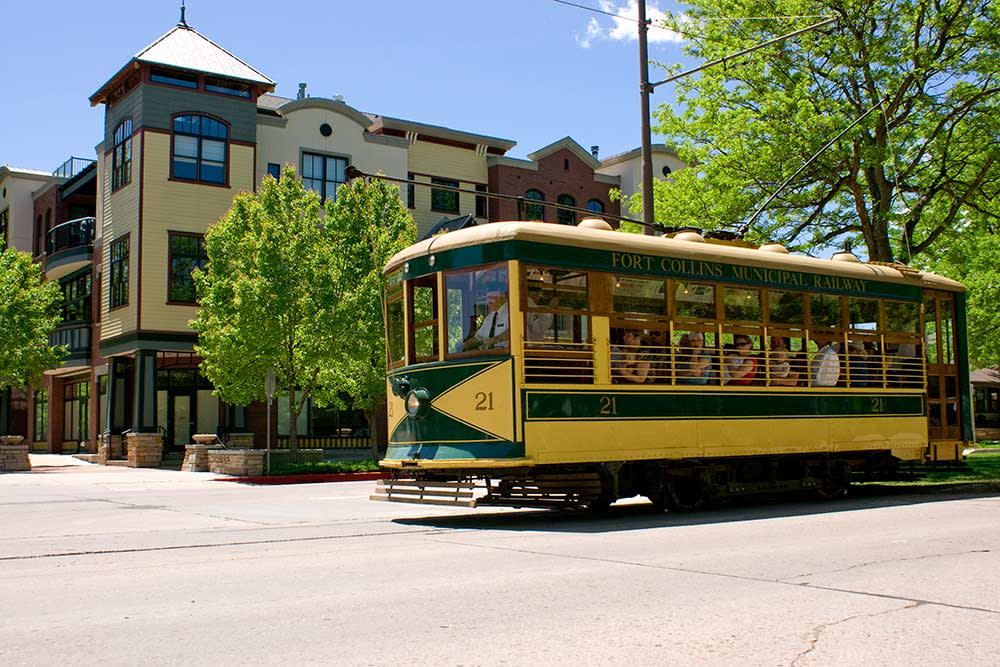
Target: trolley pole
x: 647, y: 144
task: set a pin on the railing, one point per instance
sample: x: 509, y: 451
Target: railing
x: 328, y: 442
x: 76, y: 337
x: 73, y: 234
x: 559, y: 362
x: 72, y: 167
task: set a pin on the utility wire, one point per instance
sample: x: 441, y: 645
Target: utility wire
x: 705, y: 18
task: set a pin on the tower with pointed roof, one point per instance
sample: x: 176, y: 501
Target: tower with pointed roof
x: 179, y: 143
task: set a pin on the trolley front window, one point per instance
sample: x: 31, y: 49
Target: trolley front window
x: 478, y: 315
x: 423, y: 319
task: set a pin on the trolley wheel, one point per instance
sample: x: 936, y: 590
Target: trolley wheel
x: 659, y: 500
x: 835, y: 481
x: 599, y: 505
x: 684, y: 493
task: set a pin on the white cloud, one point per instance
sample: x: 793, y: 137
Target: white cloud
x: 622, y: 29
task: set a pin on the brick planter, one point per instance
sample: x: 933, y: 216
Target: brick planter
x: 239, y: 462
x: 14, y: 454
x: 195, y: 458
x: 145, y: 450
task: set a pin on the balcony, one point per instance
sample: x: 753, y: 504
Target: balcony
x: 72, y: 167
x: 70, y: 245
x: 76, y: 337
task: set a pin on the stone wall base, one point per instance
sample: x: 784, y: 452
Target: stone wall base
x: 14, y: 456
x: 195, y: 458
x: 145, y: 450
x: 110, y: 448
x: 239, y: 462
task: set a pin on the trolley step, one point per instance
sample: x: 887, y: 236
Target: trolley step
x: 426, y: 492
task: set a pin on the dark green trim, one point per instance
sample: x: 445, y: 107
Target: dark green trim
x: 144, y: 401
x: 964, y: 382
x: 655, y: 265
x: 645, y: 405
x: 467, y: 450
x: 173, y: 342
x: 69, y: 277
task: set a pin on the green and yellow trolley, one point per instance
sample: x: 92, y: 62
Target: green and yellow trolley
x: 541, y: 365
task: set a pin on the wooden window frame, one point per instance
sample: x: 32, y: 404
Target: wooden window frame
x: 121, y: 155
x: 434, y: 324
x: 448, y: 183
x: 529, y: 206
x: 118, y: 281
x: 201, y: 251
x: 324, y: 194
x: 564, y: 217
x: 199, y: 159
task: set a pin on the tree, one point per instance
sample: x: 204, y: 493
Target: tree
x: 271, y: 298
x: 898, y: 181
x: 368, y: 224
x: 29, y: 313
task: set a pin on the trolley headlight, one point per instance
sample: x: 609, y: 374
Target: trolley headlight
x: 417, y: 402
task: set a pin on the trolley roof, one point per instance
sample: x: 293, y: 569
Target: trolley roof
x: 655, y: 246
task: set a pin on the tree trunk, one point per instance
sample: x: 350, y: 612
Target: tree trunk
x: 293, y: 426
x: 371, y: 415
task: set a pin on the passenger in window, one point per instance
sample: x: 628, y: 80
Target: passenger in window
x: 657, y: 348
x: 628, y: 364
x: 860, y: 367
x: 740, y: 368
x: 494, y: 332
x: 826, y: 362
x: 779, y: 363
x: 537, y: 324
x: 694, y: 365
x: 905, y: 367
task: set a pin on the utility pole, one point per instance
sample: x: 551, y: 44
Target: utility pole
x: 646, y: 88
x: 647, y: 143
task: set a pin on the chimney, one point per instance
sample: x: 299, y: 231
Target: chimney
x: 338, y: 98
x: 594, y: 150
x: 302, y: 92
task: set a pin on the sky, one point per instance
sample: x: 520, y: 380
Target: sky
x: 532, y: 71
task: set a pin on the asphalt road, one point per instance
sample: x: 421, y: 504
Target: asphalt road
x: 113, y: 566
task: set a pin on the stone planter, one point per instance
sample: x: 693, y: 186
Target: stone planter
x: 205, y: 438
x: 145, y: 450
x: 110, y: 448
x: 239, y: 462
x: 195, y: 458
x: 14, y: 454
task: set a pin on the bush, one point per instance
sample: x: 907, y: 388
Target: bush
x: 312, y: 467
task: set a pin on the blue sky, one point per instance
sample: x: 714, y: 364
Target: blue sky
x: 529, y: 70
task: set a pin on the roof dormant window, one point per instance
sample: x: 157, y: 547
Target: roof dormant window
x: 171, y: 78
x: 200, y: 149
x: 227, y: 87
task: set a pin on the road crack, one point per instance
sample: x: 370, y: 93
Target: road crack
x: 887, y: 560
x: 817, y: 632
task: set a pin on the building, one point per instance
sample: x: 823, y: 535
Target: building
x: 986, y: 403
x: 188, y: 125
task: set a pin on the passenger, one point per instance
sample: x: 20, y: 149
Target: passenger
x: 826, y: 362
x: 694, y: 366
x: 740, y: 368
x: 780, y: 363
x: 905, y: 368
x: 658, y: 351
x: 858, y: 364
x: 873, y: 362
x: 494, y: 332
x: 628, y: 364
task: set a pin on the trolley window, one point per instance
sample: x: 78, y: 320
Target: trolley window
x: 825, y: 311
x: 639, y: 296
x: 695, y: 300
x: 902, y: 316
x: 741, y: 304
x: 785, y: 307
x: 424, y: 319
x: 478, y: 314
x: 396, y: 332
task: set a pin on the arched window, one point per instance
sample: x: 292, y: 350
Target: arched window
x: 595, y: 205
x: 534, y: 211
x: 200, y: 149
x: 121, y: 158
x: 564, y: 217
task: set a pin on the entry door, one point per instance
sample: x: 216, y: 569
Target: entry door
x: 181, y: 420
x: 943, y: 396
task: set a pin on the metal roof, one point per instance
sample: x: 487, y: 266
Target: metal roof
x: 186, y: 48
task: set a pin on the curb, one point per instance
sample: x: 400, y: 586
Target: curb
x: 312, y: 478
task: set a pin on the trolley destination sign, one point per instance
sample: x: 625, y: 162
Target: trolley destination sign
x: 595, y: 259
x: 696, y: 268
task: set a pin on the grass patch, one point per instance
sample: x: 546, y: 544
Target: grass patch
x: 313, y: 467
x: 981, y: 468
x: 988, y: 444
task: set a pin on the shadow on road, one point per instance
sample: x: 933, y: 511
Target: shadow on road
x: 642, y: 516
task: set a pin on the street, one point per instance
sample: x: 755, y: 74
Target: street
x: 116, y: 566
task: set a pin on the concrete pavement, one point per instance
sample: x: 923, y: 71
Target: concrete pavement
x: 118, y: 566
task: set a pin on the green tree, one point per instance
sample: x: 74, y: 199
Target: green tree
x: 898, y: 181
x: 272, y: 298
x: 367, y: 224
x: 29, y: 313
